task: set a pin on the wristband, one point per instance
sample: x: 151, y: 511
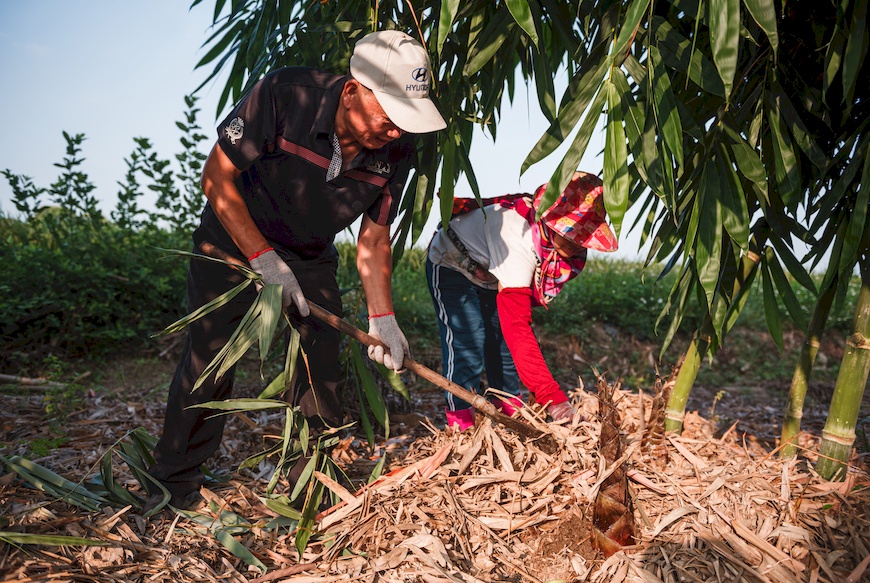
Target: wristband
x: 372, y: 317
x: 258, y: 253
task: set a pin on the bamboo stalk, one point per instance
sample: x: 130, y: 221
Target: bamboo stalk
x: 839, y: 433
x: 676, y: 409
x: 791, y: 423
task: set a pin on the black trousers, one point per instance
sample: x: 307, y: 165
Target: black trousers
x: 191, y: 436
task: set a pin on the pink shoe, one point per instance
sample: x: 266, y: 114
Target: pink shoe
x: 460, y: 420
x: 508, y: 406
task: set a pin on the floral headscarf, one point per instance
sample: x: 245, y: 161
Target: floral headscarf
x: 577, y: 214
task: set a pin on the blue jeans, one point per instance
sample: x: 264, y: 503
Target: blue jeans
x: 470, y: 334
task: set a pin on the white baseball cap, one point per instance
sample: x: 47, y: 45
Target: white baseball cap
x: 396, y: 68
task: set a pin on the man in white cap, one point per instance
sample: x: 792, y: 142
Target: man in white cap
x: 299, y: 159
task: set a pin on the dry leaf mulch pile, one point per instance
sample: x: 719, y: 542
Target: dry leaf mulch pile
x: 486, y: 505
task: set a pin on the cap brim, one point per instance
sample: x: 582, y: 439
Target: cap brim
x: 593, y: 234
x: 415, y: 116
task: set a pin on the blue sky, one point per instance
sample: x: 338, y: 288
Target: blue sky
x: 119, y: 70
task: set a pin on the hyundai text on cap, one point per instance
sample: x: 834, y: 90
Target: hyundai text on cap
x: 396, y: 68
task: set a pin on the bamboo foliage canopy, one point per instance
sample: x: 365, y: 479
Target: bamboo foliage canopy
x: 725, y: 119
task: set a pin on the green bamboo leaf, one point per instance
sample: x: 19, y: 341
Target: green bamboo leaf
x: 679, y: 53
x: 709, y: 247
x: 113, y: 488
x: 724, y: 19
x: 857, y: 218
x: 833, y: 59
x: 680, y: 292
x: 47, y: 540
x: 786, y: 167
x: 365, y: 422
x: 694, y: 216
x: 665, y: 107
x: 233, y: 405
x: 425, y: 181
x: 616, y: 179
x: 747, y: 160
x: 580, y: 92
x: 282, y: 381
x: 57, y: 483
x: 254, y: 460
x: 306, y: 526
x: 211, y: 306
x: 856, y: 49
x: 269, y: 316
x: 764, y: 13
x: 735, y: 212
x: 833, y: 197
x: 634, y: 120
x: 562, y: 176
x: 467, y: 167
x: 628, y: 30
x: 835, y: 258
x: 544, y: 85
x: 795, y: 269
x: 230, y: 33
x: 497, y: 31
x: 522, y: 14
x: 395, y: 381
x: 447, y: 16
x: 799, y: 131
x: 771, y: 309
x: 306, y: 475
x: 238, y: 549
x: 792, y: 304
x: 742, y: 296
x: 370, y: 388
x: 242, y: 338
x: 282, y: 505
x: 448, y: 176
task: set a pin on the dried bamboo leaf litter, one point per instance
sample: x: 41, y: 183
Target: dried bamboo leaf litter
x: 486, y: 506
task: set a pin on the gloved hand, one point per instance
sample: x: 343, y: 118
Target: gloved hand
x: 563, y: 411
x: 273, y: 269
x: 385, y: 328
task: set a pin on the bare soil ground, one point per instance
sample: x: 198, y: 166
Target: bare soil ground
x: 476, y: 506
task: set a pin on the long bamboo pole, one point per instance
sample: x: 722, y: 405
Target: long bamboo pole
x: 791, y: 423
x: 700, y: 345
x: 839, y: 432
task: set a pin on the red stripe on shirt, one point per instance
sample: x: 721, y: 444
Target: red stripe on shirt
x: 384, y: 211
x: 303, y: 152
x: 319, y: 160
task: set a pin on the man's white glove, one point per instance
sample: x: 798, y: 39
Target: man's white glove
x: 274, y: 270
x: 385, y: 328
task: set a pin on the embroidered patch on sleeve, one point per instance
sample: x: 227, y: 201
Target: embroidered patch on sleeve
x: 235, y: 129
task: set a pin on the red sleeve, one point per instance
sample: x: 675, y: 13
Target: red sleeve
x: 515, y: 316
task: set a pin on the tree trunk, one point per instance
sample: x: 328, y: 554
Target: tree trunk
x: 791, y: 423
x: 839, y: 433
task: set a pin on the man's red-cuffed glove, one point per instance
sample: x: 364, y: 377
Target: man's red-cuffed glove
x: 385, y: 328
x: 274, y: 270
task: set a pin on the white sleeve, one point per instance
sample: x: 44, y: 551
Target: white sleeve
x: 512, y: 257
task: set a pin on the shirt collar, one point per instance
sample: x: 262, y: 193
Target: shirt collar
x: 324, y: 122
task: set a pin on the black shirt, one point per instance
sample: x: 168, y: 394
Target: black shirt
x: 280, y: 136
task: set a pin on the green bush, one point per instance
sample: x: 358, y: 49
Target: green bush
x: 76, y: 283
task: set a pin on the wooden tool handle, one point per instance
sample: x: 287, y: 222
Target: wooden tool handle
x: 477, y: 401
